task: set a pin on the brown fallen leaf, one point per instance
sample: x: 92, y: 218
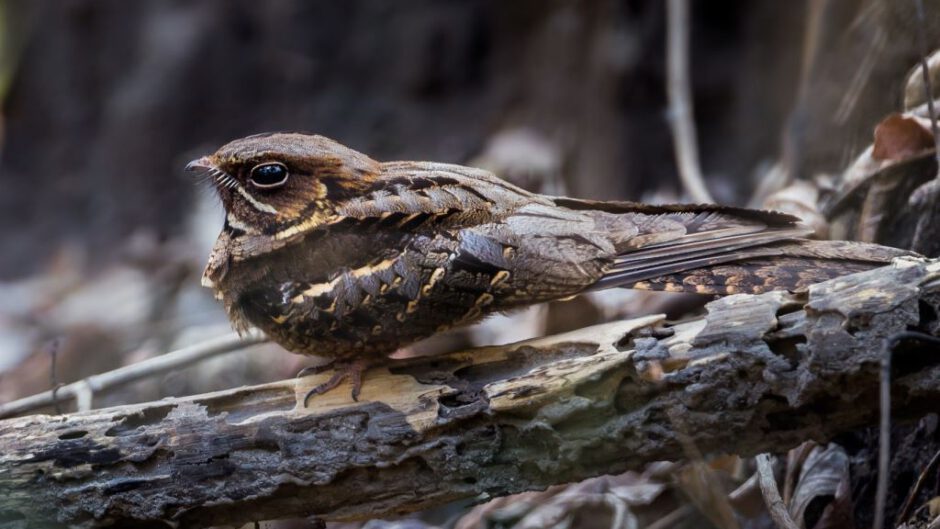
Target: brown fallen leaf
x: 900, y: 137
x: 823, y: 477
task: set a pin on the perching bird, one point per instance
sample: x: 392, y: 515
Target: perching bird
x: 332, y: 253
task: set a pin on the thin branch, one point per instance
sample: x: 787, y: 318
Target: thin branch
x: 884, y: 436
x: 768, y: 487
x: 925, y: 72
x: 794, y: 134
x: 53, y: 381
x: 745, y: 488
x: 673, y: 518
x: 83, y: 390
x: 680, y: 101
x: 855, y: 87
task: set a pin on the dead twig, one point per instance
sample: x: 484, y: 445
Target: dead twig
x: 680, y: 101
x: 673, y: 518
x: 859, y: 81
x: 768, y: 487
x: 53, y: 381
x: 884, y: 434
x: 796, y: 122
x: 83, y: 390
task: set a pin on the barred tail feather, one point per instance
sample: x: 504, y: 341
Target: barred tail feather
x: 787, y: 265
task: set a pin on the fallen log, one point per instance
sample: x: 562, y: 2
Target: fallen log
x: 756, y: 374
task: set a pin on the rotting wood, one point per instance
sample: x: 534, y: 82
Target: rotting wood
x: 757, y: 374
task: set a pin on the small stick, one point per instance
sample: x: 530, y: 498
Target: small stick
x: 124, y: 375
x: 795, y: 131
x: 673, y: 518
x: 53, y: 381
x: 680, y: 101
x: 884, y: 436
x: 768, y: 488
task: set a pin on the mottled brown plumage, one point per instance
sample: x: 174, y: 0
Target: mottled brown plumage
x: 332, y: 253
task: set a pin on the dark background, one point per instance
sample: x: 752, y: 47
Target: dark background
x: 105, y: 100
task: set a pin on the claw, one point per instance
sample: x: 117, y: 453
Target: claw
x: 352, y: 371
x: 315, y: 370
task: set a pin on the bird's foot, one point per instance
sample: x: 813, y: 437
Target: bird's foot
x: 342, y: 370
x: 316, y: 370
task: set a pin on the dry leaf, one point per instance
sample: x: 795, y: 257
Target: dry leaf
x: 800, y: 199
x: 933, y: 507
x: 872, y: 206
x: 900, y: 137
x: 824, y: 476
x: 914, y: 92
x: 638, y: 494
x: 603, y: 502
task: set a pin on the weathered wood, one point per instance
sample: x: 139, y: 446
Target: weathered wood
x: 758, y: 373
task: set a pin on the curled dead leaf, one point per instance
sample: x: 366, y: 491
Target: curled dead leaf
x: 914, y: 92
x: 900, y: 137
x: 821, y: 497
x: 871, y: 201
x: 800, y: 199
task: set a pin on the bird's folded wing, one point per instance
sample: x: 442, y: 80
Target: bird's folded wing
x: 723, y: 250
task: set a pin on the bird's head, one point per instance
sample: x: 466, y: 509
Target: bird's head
x: 273, y: 183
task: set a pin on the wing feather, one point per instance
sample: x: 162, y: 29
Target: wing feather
x: 720, y: 250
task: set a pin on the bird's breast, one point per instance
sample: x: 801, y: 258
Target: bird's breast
x: 431, y: 284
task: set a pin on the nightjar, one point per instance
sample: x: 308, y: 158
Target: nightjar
x: 332, y: 253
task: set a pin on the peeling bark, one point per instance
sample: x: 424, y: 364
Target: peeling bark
x: 758, y: 373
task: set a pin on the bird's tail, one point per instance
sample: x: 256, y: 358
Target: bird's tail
x: 780, y: 265
x: 721, y: 250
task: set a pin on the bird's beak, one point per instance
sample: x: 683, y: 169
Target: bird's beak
x: 200, y: 164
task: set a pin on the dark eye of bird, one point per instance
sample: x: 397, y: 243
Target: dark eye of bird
x: 268, y: 175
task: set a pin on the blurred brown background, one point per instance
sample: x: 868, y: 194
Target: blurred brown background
x: 105, y: 100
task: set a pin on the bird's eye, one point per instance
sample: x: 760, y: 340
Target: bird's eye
x: 268, y: 175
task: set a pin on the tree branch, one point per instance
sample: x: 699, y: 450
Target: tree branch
x: 757, y: 374
x: 85, y: 388
x: 678, y: 88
